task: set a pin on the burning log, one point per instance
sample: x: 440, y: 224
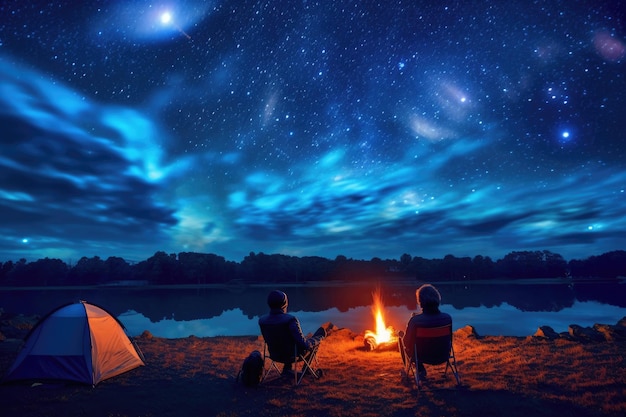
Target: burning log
x: 383, y: 336
x: 370, y: 343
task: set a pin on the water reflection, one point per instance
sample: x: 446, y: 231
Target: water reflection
x: 507, y: 309
x: 505, y: 320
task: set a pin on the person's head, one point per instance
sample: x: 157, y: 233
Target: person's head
x: 277, y: 300
x: 428, y: 297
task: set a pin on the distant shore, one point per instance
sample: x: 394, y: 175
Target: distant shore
x: 406, y: 282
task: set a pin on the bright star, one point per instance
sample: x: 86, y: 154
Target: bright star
x: 565, y: 134
x: 166, y: 18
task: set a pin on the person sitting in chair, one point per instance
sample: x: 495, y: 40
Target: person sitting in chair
x: 278, y: 302
x: 428, y: 299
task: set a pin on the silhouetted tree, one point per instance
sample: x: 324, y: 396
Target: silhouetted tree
x: 314, y: 268
x: 19, y: 274
x: 160, y: 268
x: 202, y: 268
x: 555, y: 265
x: 527, y: 264
x: 47, y: 272
x: 608, y: 265
x: 339, y: 259
x: 405, y: 260
x: 483, y: 268
x: 88, y: 271
x: 424, y: 268
x: 199, y: 268
x: 117, y: 269
x: 6, y: 268
x: 268, y: 268
x: 454, y: 269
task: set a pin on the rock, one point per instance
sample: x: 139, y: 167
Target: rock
x: 620, y: 330
x: 605, y: 331
x: 611, y: 333
x: 585, y: 333
x: 329, y: 327
x: 546, y: 332
x: 146, y: 335
x: 467, y: 331
x: 622, y: 322
x: 346, y: 334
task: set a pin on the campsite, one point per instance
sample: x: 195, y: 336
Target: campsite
x: 167, y: 164
x: 579, y: 373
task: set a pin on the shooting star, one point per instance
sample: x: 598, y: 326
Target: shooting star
x: 167, y: 19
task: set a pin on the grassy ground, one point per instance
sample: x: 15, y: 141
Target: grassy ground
x: 197, y: 377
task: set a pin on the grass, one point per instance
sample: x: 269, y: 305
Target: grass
x: 193, y: 376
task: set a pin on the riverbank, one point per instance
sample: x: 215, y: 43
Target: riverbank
x: 579, y: 373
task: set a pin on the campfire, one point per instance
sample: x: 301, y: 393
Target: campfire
x: 384, y: 335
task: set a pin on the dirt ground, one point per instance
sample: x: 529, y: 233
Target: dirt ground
x: 531, y: 376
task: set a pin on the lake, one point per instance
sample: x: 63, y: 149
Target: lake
x: 502, y: 308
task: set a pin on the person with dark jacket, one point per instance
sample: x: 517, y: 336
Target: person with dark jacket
x: 428, y: 299
x: 278, y: 302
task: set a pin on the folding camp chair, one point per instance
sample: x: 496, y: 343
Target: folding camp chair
x: 433, y: 346
x: 279, y: 347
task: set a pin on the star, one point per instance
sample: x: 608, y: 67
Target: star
x: 166, y: 17
x: 273, y: 131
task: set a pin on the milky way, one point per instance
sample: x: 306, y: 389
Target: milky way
x: 312, y: 128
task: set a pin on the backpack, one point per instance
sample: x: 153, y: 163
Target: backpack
x: 252, y: 369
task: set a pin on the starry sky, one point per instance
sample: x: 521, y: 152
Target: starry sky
x: 312, y: 128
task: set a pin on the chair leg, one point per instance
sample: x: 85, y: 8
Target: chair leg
x: 267, y: 371
x: 455, y: 371
x: 406, y: 363
x: 416, y: 370
x: 272, y: 364
x: 307, y: 366
x: 453, y: 366
x: 451, y: 363
x: 295, y: 375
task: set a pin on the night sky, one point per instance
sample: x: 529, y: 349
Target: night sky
x: 311, y: 128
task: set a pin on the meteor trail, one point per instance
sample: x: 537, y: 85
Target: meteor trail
x: 166, y: 19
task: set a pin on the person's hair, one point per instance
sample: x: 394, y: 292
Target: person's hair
x: 428, y: 296
x: 277, y: 299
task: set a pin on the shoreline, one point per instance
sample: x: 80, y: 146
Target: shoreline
x: 394, y: 282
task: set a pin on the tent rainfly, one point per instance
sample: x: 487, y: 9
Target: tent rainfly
x: 77, y: 342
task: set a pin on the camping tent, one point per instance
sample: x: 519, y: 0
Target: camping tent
x: 77, y: 342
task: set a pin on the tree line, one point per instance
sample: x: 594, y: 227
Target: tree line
x: 191, y: 268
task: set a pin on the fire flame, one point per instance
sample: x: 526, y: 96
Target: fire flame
x: 383, y: 333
